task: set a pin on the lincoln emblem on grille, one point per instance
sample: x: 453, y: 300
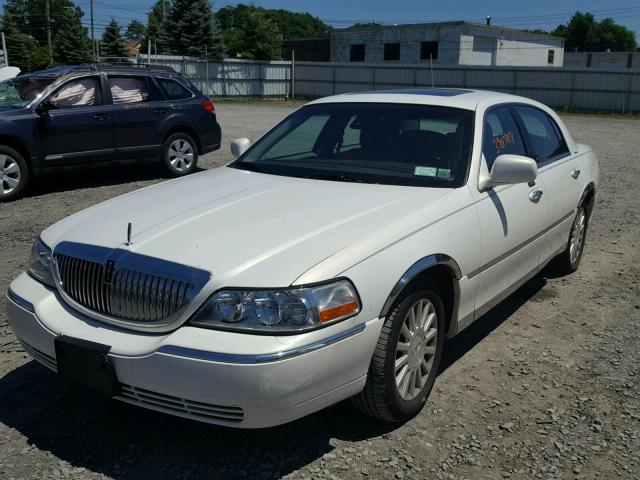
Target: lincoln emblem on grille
x: 108, y: 272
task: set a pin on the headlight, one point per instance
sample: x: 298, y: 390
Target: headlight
x: 40, y: 267
x: 293, y: 310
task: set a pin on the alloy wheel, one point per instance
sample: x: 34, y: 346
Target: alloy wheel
x: 416, y: 349
x: 10, y: 174
x: 577, y: 235
x: 181, y: 155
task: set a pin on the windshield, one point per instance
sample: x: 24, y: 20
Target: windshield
x: 21, y: 91
x: 393, y: 144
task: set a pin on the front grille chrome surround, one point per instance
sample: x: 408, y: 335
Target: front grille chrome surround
x: 125, y: 288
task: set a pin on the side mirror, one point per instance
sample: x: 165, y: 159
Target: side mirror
x: 509, y: 169
x: 239, y: 146
x: 44, y: 107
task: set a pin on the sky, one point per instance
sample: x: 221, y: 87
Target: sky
x: 544, y: 14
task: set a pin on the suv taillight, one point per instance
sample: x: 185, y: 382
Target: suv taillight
x: 208, y: 106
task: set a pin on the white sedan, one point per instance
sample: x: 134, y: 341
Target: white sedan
x: 330, y: 260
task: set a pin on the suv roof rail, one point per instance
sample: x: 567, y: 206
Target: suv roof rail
x: 127, y: 66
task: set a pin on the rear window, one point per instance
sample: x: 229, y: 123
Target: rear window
x: 173, y: 90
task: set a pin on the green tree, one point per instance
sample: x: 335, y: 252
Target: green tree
x: 71, y: 44
x: 112, y: 44
x: 584, y: 33
x: 156, y: 33
x: 290, y: 24
x: 249, y: 33
x: 135, y: 30
x: 193, y: 27
x: 20, y: 47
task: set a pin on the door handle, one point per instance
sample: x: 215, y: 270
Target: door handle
x: 535, y: 195
x: 101, y: 117
x: 575, y: 173
x: 161, y: 111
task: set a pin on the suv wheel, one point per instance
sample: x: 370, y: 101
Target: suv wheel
x: 179, y: 155
x: 14, y: 174
x: 406, y: 359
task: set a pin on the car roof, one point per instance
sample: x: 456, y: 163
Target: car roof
x: 447, y: 97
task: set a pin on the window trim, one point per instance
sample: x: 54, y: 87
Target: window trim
x: 100, y: 97
x: 529, y: 143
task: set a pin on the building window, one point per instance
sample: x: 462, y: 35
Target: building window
x: 589, y: 60
x: 428, y: 50
x: 551, y: 57
x: 391, y: 52
x: 629, y: 60
x: 357, y: 53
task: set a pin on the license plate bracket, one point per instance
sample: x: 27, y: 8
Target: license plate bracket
x: 86, y: 363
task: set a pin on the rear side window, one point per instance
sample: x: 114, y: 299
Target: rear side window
x: 173, y: 90
x: 501, y: 136
x: 129, y: 90
x: 547, y: 142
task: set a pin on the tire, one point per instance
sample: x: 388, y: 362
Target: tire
x: 569, y: 260
x: 179, y: 155
x: 14, y: 174
x: 386, y: 398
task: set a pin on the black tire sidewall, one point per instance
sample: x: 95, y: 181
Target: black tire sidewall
x: 165, y: 154
x: 24, y: 173
x: 402, y: 409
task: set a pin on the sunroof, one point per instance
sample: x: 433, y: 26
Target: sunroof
x: 434, y: 92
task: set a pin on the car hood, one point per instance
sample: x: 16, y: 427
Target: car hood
x: 245, y: 228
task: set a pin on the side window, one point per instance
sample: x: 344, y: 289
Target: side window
x: 500, y: 136
x: 173, y: 90
x: 128, y: 90
x: 543, y: 134
x: 76, y: 93
x: 299, y: 143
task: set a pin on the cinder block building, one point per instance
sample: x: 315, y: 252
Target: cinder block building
x: 447, y: 43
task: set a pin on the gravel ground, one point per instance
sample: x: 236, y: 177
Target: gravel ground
x: 544, y: 386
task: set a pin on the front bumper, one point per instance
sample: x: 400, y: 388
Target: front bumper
x: 237, y: 380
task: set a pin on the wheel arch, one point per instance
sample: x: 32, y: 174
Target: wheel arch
x: 184, y: 128
x: 588, y: 198
x: 438, y: 268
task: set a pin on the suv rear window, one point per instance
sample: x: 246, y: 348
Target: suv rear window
x: 128, y: 90
x: 173, y: 90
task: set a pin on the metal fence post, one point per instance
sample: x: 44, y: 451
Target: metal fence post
x: 293, y: 75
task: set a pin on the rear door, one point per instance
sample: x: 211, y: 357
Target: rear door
x: 512, y: 217
x: 73, y: 124
x: 136, y: 111
x: 558, y: 170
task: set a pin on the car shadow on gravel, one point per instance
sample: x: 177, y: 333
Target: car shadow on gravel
x: 66, y: 179
x: 126, y: 442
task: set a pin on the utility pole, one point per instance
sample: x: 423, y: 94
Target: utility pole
x: 93, y: 38
x: 47, y: 13
x: 164, y: 11
x: 4, y: 49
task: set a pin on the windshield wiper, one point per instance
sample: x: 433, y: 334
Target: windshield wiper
x: 250, y: 167
x: 336, y: 177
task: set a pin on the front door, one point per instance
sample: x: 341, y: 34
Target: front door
x: 512, y: 217
x: 73, y: 125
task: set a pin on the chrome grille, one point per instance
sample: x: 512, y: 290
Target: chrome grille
x: 123, y: 294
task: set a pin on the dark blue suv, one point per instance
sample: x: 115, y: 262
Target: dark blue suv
x: 100, y: 113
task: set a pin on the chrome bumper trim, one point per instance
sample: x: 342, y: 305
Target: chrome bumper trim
x: 20, y: 302
x: 259, y: 358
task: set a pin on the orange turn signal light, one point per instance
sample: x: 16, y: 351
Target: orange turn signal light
x: 338, y: 312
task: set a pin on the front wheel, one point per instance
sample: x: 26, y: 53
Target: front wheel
x: 179, y: 155
x: 14, y: 174
x: 406, y: 359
